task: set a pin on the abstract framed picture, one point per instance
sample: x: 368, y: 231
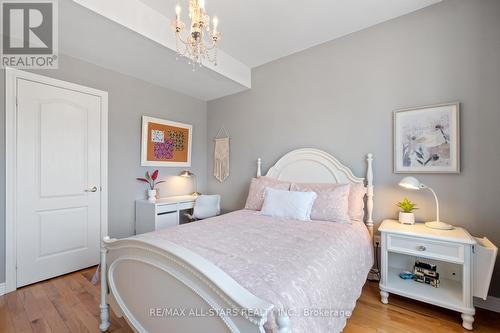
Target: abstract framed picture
x: 165, y: 143
x: 427, y: 139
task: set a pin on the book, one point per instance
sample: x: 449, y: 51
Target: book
x: 426, y: 273
x: 425, y: 265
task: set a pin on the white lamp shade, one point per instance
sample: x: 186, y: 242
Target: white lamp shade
x: 411, y: 183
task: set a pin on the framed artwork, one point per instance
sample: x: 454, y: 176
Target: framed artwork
x: 165, y: 143
x: 427, y: 139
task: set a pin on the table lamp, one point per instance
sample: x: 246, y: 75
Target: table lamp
x: 189, y: 174
x: 413, y: 183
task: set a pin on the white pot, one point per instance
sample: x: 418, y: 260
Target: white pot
x: 406, y: 218
x: 152, y: 195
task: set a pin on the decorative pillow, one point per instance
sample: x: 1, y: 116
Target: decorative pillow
x: 357, y: 202
x: 332, y: 203
x: 257, y: 188
x: 288, y: 204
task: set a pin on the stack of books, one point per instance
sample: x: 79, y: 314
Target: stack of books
x: 426, y: 273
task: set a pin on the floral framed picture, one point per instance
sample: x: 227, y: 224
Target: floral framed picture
x: 165, y: 143
x: 427, y: 139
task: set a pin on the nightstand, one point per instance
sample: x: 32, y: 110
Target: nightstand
x: 450, y: 250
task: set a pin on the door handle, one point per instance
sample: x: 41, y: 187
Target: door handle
x: 92, y: 189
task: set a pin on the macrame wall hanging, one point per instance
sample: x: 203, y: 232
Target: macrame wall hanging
x: 221, y: 155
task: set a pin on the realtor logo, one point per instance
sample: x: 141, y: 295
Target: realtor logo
x: 29, y: 34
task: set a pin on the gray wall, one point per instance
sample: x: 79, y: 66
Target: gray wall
x: 129, y: 99
x: 339, y: 97
x: 2, y: 177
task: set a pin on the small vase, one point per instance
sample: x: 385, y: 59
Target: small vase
x: 152, y: 195
x: 406, y: 218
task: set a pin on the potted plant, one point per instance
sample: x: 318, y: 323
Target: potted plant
x: 151, y: 180
x: 406, y: 216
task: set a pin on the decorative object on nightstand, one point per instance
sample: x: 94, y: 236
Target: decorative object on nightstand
x: 413, y: 183
x: 189, y: 174
x: 457, y: 254
x: 406, y: 275
x: 151, y: 181
x: 406, y: 216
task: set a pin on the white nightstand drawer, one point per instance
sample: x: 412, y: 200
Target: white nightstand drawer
x: 426, y: 248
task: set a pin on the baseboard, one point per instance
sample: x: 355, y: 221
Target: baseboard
x: 491, y: 303
x: 2, y: 289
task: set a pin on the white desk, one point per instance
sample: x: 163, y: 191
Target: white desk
x: 161, y: 214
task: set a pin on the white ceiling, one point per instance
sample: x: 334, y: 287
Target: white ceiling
x: 259, y: 31
x: 86, y: 35
x: 134, y: 37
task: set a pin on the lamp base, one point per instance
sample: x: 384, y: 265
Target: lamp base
x: 438, y: 225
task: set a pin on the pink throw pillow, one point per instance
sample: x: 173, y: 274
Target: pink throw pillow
x: 257, y: 190
x: 332, y: 203
x: 357, y: 202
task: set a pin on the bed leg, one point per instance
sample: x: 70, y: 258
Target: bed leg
x: 283, y: 322
x: 104, y: 292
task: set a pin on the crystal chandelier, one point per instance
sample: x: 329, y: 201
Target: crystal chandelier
x: 196, y: 47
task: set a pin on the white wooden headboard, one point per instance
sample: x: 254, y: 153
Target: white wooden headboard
x: 309, y: 165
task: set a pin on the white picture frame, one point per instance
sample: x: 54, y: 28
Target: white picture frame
x: 186, y: 132
x: 427, y: 139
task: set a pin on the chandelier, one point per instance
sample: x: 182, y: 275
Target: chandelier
x: 201, y: 42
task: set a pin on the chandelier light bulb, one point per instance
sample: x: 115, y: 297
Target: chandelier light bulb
x: 202, y: 4
x: 215, y: 21
x: 178, y: 11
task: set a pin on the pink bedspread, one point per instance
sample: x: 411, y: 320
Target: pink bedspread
x: 303, y: 267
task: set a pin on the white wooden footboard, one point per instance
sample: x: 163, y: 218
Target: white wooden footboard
x: 171, y: 289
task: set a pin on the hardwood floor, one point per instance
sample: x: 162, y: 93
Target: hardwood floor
x: 70, y: 303
x: 408, y: 316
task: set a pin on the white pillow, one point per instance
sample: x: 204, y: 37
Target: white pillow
x: 288, y: 204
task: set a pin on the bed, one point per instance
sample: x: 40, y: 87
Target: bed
x: 243, y: 272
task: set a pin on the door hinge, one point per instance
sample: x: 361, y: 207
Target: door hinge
x: 17, y: 102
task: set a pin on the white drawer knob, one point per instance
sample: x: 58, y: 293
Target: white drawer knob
x: 421, y: 248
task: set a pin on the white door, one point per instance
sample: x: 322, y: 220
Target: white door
x: 58, y: 181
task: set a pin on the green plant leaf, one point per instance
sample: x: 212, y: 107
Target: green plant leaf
x: 407, y: 206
